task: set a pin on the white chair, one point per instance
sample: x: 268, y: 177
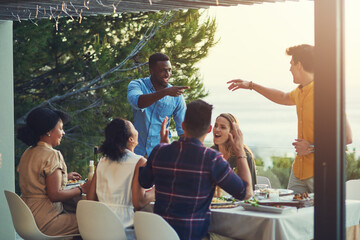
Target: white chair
x: 150, y: 226
x: 263, y: 180
x: 353, y: 189
x: 23, y: 219
x: 98, y: 221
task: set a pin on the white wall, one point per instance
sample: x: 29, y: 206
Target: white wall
x: 7, y: 160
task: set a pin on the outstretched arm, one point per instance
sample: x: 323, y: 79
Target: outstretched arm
x: 272, y: 94
x: 147, y: 100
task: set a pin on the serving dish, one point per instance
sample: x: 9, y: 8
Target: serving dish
x: 75, y: 183
x: 224, y: 202
x: 285, y: 192
x: 262, y: 208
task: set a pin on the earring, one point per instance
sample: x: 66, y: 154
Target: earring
x: 48, y: 134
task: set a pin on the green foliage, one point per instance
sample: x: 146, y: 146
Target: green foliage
x: 280, y: 171
x: 50, y: 63
x: 278, y: 174
x: 281, y: 168
x: 259, y: 161
x: 352, y: 165
x: 267, y: 172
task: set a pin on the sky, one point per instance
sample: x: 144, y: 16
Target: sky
x: 252, y: 44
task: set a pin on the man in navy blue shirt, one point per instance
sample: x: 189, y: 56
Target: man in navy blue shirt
x: 186, y: 172
x: 152, y: 99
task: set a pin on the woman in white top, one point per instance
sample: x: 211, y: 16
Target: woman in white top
x: 115, y: 181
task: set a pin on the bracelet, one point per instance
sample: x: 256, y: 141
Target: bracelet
x: 251, y: 86
x: 81, y: 191
x: 241, y: 157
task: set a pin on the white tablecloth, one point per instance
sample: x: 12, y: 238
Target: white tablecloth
x: 295, y: 224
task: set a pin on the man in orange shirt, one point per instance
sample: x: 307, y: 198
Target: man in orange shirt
x: 302, y: 68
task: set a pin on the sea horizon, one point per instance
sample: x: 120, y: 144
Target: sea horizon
x: 253, y: 49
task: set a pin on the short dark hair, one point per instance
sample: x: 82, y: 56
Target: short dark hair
x: 38, y: 122
x: 117, y: 133
x: 156, y: 57
x: 198, y: 118
x: 303, y: 53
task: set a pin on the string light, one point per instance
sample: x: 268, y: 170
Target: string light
x: 80, y: 16
x: 18, y: 17
x: 32, y: 20
x: 86, y: 4
x: 64, y: 9
x: 54, y: 12
x: 57, y: 24
x: 37, y: 11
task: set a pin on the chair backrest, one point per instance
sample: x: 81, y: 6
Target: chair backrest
x: 263, y: 180
x: 22, y: 217
x: 353, y: 189
x: 150, y: 226
x: 97, y: 221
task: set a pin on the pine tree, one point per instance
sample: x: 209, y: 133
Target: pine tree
x: 54, y: 66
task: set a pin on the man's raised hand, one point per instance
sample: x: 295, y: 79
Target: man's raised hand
x: 164, y: 133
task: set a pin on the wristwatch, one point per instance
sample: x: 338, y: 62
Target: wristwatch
x: 81, y: 191
x: 311, y: 148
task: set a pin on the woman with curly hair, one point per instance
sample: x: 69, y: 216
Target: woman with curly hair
x: 43, y: 172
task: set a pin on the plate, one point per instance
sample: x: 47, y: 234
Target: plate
x: 261, y: 208
x: 225, y: 203
x: 78, y: 182
x: 71, y: 185
x: 284, y: 192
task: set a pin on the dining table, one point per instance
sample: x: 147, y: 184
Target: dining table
x: 296, y: 223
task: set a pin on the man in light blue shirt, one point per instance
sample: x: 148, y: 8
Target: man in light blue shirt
x: 152, y: 99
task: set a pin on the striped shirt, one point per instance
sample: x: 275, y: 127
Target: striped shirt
x: 185, y: 174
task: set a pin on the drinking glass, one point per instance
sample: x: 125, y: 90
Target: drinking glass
x: 274, y: 196
x: 260, y: 190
